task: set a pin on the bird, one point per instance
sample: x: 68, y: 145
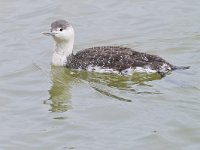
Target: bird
x: 111, y: 59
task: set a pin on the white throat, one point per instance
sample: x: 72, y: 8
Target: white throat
x: 63, y: 49
x: 61, y: 52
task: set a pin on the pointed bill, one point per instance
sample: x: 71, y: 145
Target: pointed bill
x: 48, y: 33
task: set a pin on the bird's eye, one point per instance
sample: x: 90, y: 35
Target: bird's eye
x: 61, y: 29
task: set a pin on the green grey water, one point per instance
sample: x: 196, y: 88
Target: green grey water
x: 53, y: 108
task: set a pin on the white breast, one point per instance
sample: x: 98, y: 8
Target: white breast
x: 58, y: 60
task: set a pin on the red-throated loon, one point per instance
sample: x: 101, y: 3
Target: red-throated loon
x: 113, y: 59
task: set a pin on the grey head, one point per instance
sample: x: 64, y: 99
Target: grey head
x: 59, y: 24
x: 61, y: 30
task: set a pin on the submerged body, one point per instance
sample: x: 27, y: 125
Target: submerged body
x: 113, y: 59
x: 119, y: 59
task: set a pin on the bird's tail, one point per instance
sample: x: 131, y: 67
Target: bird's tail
x: 180, y: 67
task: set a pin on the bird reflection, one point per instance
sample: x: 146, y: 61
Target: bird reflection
x: 60, y: 94
x: 110, y: 85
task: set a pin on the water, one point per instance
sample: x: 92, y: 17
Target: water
x: 44, y: 107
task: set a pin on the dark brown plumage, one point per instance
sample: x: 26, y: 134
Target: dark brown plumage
x: 116, y: 58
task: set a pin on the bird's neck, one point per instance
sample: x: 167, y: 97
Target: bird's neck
x: 62, y: 50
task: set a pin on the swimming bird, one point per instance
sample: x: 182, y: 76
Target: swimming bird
x: 115, y: 59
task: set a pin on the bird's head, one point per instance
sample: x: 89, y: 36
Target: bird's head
x: 61, y: 31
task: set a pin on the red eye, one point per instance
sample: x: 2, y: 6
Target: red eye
x: 61, y: 29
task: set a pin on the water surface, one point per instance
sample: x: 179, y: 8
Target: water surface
x: 45, y: 107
